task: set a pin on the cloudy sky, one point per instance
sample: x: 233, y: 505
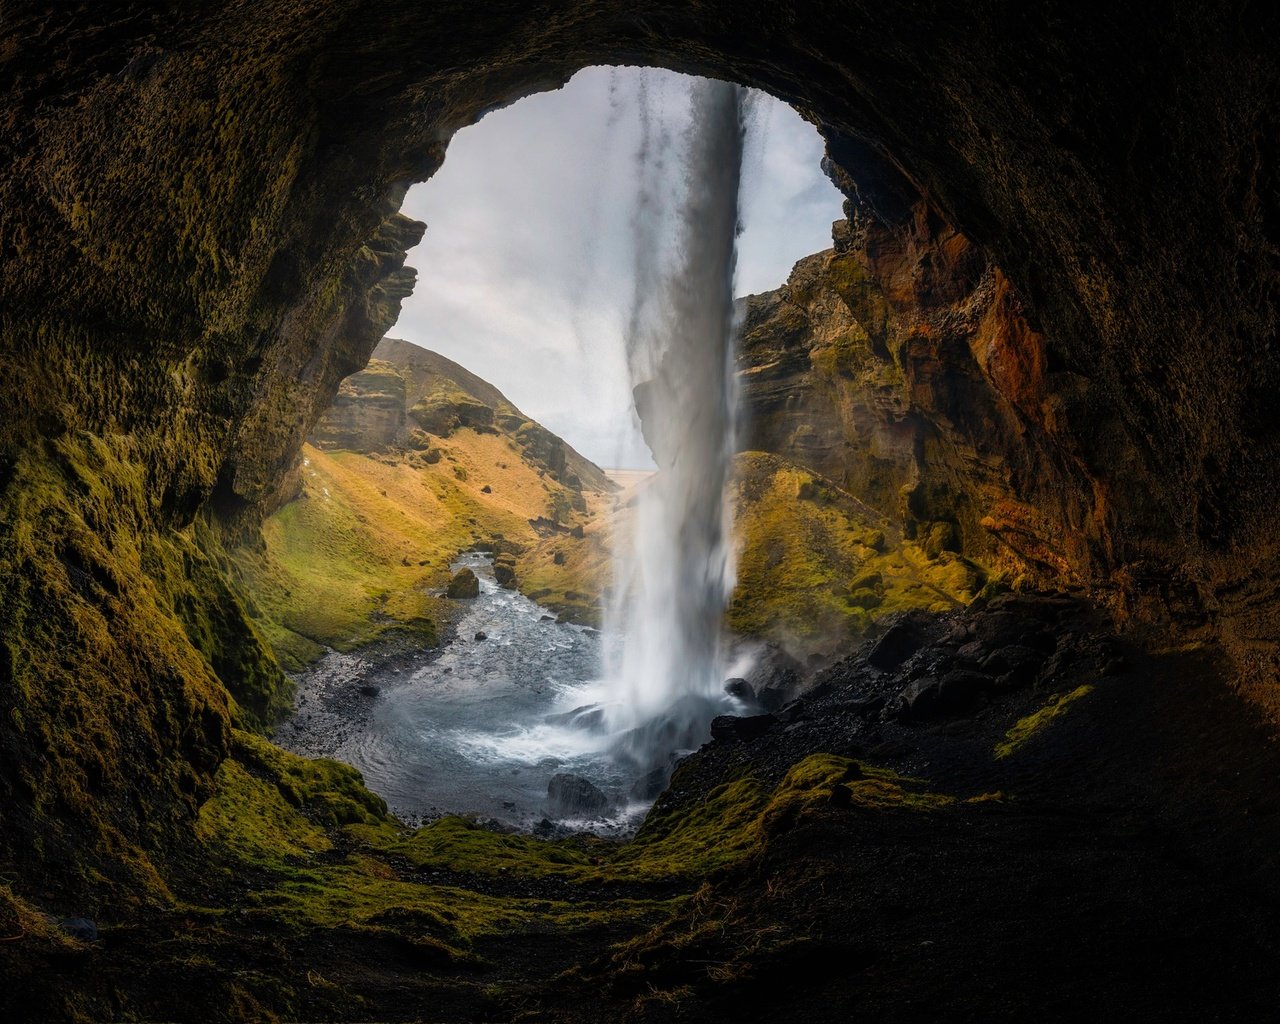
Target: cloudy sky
x: 526, y: 272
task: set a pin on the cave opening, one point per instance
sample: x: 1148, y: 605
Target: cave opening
x: 574, y: 241
x: 1035, y: 347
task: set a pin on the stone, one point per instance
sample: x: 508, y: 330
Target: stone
x: 740, y: 689
x: 900, y: 642
x: 919, y: 700
x: 960, y: 691
x: 464, y: 585
x: 571, y: 795
x: 1016, y: 665
x: 504, y: 571
x: 81, y: 928
x: 650, y: 785
x: 370, y: 690
x: 732, y: 728
x: 482, y: 635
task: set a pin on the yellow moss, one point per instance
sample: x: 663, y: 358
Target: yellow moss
x: 814, y: 562
x: 1026, y: 728
x: 358, y: 552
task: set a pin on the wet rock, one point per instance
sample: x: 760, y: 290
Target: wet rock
x: 482, y: 635
x: 899, y: 643
x: 464, y: 585
x: 740, y: 689
x: 650, y: 785
x: 504, y: 571
x: 570, y: 795
x: 919, y: 700
x: 1017, y: 666
x: 732, y: 728
x: 369, y: 690
x: 961, y: 691
x: 586, y: 716
x: 81, y: 928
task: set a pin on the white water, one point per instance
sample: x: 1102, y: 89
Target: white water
x: 674, y: 578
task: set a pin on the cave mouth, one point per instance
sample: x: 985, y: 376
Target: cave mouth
x: 559, y: 286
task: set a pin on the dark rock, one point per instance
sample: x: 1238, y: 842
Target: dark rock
x: 920, y: 700
x: 369, y: 690
x: 650, y: 785
x: 770, y: 698
x: 741, y: 689
x: 899, y: 643
x: 504, y: 571
x: 79, y: 928
x: 571, y: 795
x: 1016, y: 666
x: 731, y: 728
x: 587, y: 716
x: 486, y: 489
x: 464, y: 585
x: 482, y: 635
x: 557, y: 558
x: 960, y: 691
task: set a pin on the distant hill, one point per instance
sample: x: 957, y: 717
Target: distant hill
x: 417, y: 460
x: 408, y: 394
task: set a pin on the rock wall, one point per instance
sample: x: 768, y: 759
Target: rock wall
x: 198, y: 240
x: 901, y: 364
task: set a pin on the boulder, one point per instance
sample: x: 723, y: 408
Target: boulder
x: 740, y: 689
x: 504, y: 571
x: 79, y: 928
x: 572, y: 795
x: 482, y: 635
x: 899, y: 642
x: 464, y: 585
x: 732, y: 728
x: 369, y: 690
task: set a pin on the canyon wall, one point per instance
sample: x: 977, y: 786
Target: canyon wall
x: 1071, y: 216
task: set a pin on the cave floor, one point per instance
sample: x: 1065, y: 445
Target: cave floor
x: 1118, y: 863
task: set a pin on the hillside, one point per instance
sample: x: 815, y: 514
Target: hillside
x: 417, y: 460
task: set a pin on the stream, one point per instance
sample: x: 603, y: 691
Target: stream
x: 479, y: 726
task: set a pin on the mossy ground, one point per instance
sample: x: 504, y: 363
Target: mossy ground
x: 816, y: 564
x: 365, y: 548
x: 1027, y: 728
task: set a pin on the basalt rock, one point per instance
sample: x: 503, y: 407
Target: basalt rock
x: 464, y: 585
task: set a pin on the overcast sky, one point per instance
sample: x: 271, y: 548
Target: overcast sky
x: 525, y: 274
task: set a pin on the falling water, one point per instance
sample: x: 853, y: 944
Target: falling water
x: 675, y: 578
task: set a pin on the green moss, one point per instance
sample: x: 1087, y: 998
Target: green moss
x: 1026, y: 728
x: 815, y: 563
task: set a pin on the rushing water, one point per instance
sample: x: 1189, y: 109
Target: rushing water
x: 668, y: 668
x: 476, y: 728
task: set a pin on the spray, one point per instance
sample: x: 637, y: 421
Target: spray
x: 675, y: 577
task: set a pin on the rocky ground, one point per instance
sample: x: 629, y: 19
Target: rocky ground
x: 1002, y: 813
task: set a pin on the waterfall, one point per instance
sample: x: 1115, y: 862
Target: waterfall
x: 675, y: 576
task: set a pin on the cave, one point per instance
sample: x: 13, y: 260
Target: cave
x: 1064, y: 224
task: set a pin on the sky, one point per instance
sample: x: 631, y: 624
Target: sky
x: 526, y: 272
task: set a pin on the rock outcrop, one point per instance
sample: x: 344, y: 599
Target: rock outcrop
x: 408, y: 395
